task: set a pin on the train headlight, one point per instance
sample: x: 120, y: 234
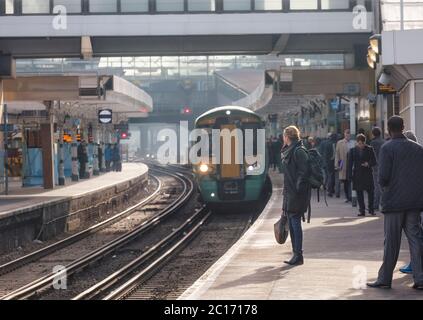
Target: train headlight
x: 253, y: 168
x: 204, y: 168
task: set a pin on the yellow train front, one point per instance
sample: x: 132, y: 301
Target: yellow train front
x: 222, y: 177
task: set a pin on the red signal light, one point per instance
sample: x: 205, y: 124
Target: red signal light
x: 124, y: 135
x: 187, y: 110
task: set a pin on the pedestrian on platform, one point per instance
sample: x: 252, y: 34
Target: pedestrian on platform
x: 270, y: 152
x: 108, y: 156
x: 341, y: 155
x: 82, y: 159
x: 407, y: 268
x: 276, y: 150
x: 401, y: 179
x: 329, y: 159
x: 376, y: 144
x: 361, y: 161
x: 296, y: 192
x: 117, y: 159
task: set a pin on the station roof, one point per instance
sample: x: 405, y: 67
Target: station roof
x: 91, y: 92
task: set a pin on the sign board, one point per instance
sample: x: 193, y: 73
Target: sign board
x: 122, y: 126
x: 105, y: 116
x: 351, y: 89
x: 10, y: 127
x: 385, y: 89
x: 334, y: 104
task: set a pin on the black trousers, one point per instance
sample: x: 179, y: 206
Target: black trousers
x: 360, y: 199
x: 346, y: 184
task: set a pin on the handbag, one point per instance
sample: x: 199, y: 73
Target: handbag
x: 281, y: 229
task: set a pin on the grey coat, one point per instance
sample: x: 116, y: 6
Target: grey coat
x: 401, y: 175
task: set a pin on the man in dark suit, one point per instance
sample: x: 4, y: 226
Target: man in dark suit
x: 401, y: 179
x: 361, y: 161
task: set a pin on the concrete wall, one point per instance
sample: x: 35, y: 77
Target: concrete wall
x: 331, y: 82
x: 53, y: 218
x: 184, y: 24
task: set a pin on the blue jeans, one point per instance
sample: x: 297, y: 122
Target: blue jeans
x: 296, y: 232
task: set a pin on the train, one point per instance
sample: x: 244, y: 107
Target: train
x: 223, y: 181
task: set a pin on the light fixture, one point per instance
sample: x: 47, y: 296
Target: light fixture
x: 371, y: 63
x: 372, y: 54
x: 375, y: 43
x: 228, y: 112
x: 204, y: 168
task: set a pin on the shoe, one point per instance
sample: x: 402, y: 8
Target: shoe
x: 338, y: 196
x: 379, y: 285
x: 296, y: 260
x: 372, y: 213
x: 361, y: 215
x: 418, y: 286
x: 348, y: 200
x: 330, y: 195
x: 407, y: 269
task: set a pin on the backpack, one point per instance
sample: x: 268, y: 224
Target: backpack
x: 317, y: 176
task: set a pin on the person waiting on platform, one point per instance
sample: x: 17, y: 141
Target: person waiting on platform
x: 83, y: 159
x: 401, y: 179
x: 360, y: 162
x: 407, y: 268
x: 108, y: 156
x: 117, y: 164
x: 296, y: 192
x: 341, y: 155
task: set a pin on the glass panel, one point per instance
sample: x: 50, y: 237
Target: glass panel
x: 103, y: 5
x: 169, y: 5
x: 201, y: 5
x: 72, y: 6
x: 335, y: 4
x: 419, y: 92
x: 236, y: 5
x: 31, y: 6
x: 134, y: 5
x: 268, y: 5
x: 9, y: 7
x: 303, y: 5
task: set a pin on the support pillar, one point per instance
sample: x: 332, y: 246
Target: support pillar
x: 96, y: 167
x: 74, y: 148
x: 87, y: 165
x: 2, y: 142
x: 47, y: 151
x: 61, y: 159
x: 353, y: 130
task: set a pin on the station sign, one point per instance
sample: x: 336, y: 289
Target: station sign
x: 105, y: 116
x: 385, y: 89
x: 10, y: 127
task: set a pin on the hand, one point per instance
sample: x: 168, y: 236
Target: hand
x: 365, y: 164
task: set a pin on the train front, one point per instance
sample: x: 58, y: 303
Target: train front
x: 235, y: 169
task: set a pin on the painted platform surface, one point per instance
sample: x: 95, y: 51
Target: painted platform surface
x: 24, y: 198
x: 341, y: 251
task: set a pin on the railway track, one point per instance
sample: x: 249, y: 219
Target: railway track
x: 121, y: 283
x: 158, y: 210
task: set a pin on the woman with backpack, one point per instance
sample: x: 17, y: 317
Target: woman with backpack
x: 296, y: 194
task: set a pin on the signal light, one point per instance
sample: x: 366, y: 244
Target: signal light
x: 186, y: 111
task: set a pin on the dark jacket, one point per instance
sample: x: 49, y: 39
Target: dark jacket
x: 401, y: 175
x: 296, y: 186
x: 362, y: 177
x: 376, y: 144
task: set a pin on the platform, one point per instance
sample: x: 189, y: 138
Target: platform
x: 27, y: 213
x: 341, y: 251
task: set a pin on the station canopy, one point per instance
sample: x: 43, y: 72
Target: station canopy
x: 87, y: 93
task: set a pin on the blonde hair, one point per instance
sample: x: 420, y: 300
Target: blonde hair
x: 292, y: 133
